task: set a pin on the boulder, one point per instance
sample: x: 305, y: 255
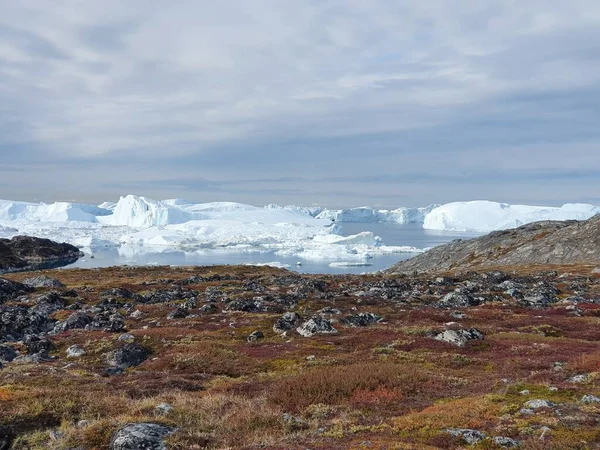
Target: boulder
x: 74, y: 321
x: 471, y: 437
x: 361, y: 319
x: 11, y: 289
x: 43, y: 281
x: 459, y: 299
x: 459, y: 337
x: 287, y: 322
x: 255, y: 336
x: 75, y: 351
x: 316, y: 325
x: 140, y: 436
x: 130, y: 355
x: 7, y: 353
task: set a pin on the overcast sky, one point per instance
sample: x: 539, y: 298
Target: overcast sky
x: 339, y: 103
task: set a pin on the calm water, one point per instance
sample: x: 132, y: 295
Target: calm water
x: 392, y: 234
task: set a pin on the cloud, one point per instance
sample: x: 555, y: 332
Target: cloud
x: 316, y: 90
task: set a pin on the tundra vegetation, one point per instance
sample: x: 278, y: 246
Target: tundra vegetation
x: 255, y: 358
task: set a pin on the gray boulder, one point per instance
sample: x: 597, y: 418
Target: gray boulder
x: 459, y: 298
x: 459, y: 337
x: 361, y: 319
x: 469, y: 436
x: 130, y: 355
x: 140, y: 436
x: 316, y: 325
x: 7, y: 353
x: 43, y: 281
x: 287, y: 322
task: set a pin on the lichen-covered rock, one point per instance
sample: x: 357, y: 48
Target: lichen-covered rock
x: 130, y: 355
x: 539, y: 403
x: 459, y: 299
x: 255, y: 336
x: 316, y: 325
x: 11, y: 289
x: 361, y: 319
x: 140, y: 436
x: 459, y: 337
x: 506, y: 442
x: 287, y: 322
x: 469, y: 436
x: 74, y: 321
x: 43, y: 281
x: 589, y: 399
x: 75, y: 351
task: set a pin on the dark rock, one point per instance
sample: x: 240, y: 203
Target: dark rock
x: 26, y: 252
x: 208, y: 308
x: 140, y: 436
x: 7, y: 353
x: 74, y: 321
x: 255, y: 336
x: 43, y: 281
x: 165, y: 295
x: 179, y: 313
x: 287, y: 322
x: 361, y: 319
x: 11, y: 289
x: 6, y: 437
x: 16, y: 321
x: 48, y: 303
x: 36, y: 344
x: 459, y: 299
x: 107, y: 321
x: 130, y: 355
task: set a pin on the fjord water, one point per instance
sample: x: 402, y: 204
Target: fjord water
x: 391, y: 234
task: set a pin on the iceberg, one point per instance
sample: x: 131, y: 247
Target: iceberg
x: 484, y: 216
x: 366, y: 214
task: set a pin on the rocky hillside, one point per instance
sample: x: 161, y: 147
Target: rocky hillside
x: 26, y: 253
x: 569, y: 242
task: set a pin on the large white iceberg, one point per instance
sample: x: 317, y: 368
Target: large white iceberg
x: 485, y: 216
x: 366, y: 214
x: 137, y: 224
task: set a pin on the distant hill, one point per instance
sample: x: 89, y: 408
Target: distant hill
x: 25, y: 252
x: 548, y: 242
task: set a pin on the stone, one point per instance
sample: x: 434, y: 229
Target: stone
x: 140, y: 436
x: 506, y: 442
x: 163, y: 408
x: 316, y: 325
x: 459, y: 299
x: 77, y: 320
x: 75, y: 351
x: 361, y: 319
x: 589, y: 399
x: 287, y: 322
x: 539, y: 403
x: 7, y: 353
x: 126, y: 337
x: 469, y: 436
x: 255, y: 336
x: 459, y: 337
x: 130, y: 355
x: 43, y: 281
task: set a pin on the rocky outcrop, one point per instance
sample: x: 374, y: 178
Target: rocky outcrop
x: 29, y: 253
x: 137, y: 436
x: 569, y: 242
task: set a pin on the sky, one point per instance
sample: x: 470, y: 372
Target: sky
x: 331, y: 102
